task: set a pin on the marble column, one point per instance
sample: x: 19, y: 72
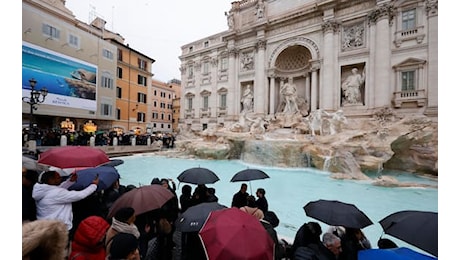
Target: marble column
x: 327, y: 88
x: 314, y: 87
x: 432, y: 86
x: 233, y: 89
x: 307, y: 89
x: 272, y: 94
x: 382, y: 16
x: 260, y: 90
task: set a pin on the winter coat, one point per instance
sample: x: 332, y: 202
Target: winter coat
x: 88, y: 241
x: 44, y: 239
x: 55, y: 202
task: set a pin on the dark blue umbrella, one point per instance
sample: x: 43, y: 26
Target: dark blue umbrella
x: 401, y: 253
x: 107, y: 176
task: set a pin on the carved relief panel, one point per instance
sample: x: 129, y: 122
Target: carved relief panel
x: 353, y: 36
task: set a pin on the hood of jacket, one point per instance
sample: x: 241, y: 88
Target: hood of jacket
x: 40, y: 190
x: 91, y: 232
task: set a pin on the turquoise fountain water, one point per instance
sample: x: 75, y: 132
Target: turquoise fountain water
x: 288, y: 190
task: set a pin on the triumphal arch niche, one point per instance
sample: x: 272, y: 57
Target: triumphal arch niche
x: 292, y: 64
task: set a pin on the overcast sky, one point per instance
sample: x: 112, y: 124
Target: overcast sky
x: 157, y: 29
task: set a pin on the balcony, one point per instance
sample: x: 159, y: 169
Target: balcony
x: 205, y: 112
x: 221, y: 111
x: 417, y: 33
x: 189, y: 113
x: 409, y: 96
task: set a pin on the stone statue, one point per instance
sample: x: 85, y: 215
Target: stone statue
x: 351, y: 87
x: 336, y: 122
x: 315, y: 121
x: 257, y: 126
x: 260, y: 9
x: 230, y: 19
x: 247, y: 100
x: 289, y: 93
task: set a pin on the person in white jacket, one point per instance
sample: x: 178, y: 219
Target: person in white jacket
x: 54, y: 200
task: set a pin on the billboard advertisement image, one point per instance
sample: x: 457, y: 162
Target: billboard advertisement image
x: 70, y: 82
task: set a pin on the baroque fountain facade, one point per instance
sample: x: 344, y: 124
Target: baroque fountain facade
x: 345, y: 86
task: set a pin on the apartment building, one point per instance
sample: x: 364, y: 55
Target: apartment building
x: 95, y: 82
x: 162, y: 98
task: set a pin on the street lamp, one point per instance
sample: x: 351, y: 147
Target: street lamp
x: 36, y: 97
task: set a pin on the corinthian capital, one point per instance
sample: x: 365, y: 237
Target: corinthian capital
x: 330, y: 25
x: 383, y: 11
x: 431, y: 7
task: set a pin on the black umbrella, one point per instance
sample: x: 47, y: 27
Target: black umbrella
x: 418, y: 228
x: 198, y: 175
x: 249, y: 175
x: 337, y: 213
x: 194, y: 217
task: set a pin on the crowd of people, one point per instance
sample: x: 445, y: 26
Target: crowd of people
x: 80, y: 219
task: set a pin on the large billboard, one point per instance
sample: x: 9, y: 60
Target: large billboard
x: 70, y: 82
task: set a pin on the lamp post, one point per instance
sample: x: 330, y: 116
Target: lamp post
x: 36, y: 97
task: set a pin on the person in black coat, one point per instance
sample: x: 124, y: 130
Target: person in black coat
x: 29, y: 209
x: 261, y: 201
x: 240, y: 198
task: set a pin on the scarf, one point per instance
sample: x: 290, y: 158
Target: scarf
x: 123, y: 227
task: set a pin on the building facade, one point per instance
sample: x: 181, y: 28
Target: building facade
x: 357, y: 56
x: 95, y: 82
x: 134, y: 81
x: 162, y: 112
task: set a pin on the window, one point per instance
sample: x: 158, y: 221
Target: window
x: 142, y: 64
x: 141, y: 80
x: 155, y: 103
x: 154, y: 92
x: 107, y: 54
x: 155, y: 115
x: 190, y: 71
x: 206, y: 44
x: 224, y: 63
x: 119, y: 72
x: 189, y: 103
x: 190, y: 49
x: 223, y: 100
x: 119, y: 54
x: 205, y: 102
x: 141, y: 97
x: 140, y: 117
x: 119, y: 92
x: 118, y: 114
x: 206, y: 67
x: 408, y: 80
x: 107, y: 81
x: 162, y: 116
x: 106, y: 109
x: 408, y: 19
x: 74, y: 41
x: 50, y: 31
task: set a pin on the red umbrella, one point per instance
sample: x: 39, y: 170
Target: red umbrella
x: 142, y: 199
x: 234, y: 234
x: 73, y: 157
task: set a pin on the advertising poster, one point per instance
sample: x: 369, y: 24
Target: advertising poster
x: 70, y: 82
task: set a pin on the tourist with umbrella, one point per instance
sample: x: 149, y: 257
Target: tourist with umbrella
x: 240, y: 199
x: 54, y: 200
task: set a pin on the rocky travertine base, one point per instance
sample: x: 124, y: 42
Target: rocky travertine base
x: 408, y: 144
